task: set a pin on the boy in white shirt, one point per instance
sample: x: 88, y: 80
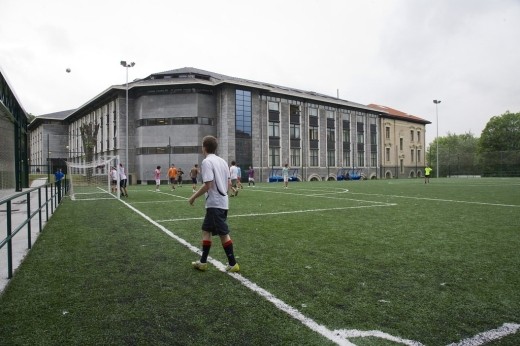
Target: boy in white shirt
x: 215, y: 178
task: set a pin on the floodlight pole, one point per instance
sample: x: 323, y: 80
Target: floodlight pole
x: 437, y: 140
x: 124, y: 64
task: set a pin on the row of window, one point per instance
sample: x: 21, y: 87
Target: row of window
x: 295, y: 158
x: 175, y: 121
x: 412, y: 135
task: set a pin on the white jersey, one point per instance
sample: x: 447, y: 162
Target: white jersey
x: 215, y: 169
x: 233, y: 172
x: 122, y: 174
x: 113, y: 174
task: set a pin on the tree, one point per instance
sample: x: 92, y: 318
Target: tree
x: 502, y: 133
x: 89, y: 133
x: 457, y: 154
x: 500, y: 146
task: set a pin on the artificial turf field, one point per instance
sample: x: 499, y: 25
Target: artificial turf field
x: 383, y: 262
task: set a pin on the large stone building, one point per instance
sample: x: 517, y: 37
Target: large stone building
x: 258, y: 124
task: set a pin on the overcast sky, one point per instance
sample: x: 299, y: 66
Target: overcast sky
x: 398, y: 53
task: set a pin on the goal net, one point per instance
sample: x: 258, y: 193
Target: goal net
x: 94, y: 180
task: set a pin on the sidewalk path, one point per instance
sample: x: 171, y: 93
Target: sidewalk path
x: 18, y: 216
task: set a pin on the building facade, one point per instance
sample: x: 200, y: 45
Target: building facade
x: 403, y: 149
x: 258, y: 124
x: 13, y: 140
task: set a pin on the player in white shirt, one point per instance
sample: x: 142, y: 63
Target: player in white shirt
x: 215, y: 179
x: 233, y: 175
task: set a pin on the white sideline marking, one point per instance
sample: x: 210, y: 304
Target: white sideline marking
x: 337, y: 336
x: 490, y: 335
x: 286, y: 212
x: 354, y: 333
x: 294, y: 313
x: 438, y: 199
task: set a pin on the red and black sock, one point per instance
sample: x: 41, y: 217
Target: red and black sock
x: 206, y: 246
x: 228, y: 248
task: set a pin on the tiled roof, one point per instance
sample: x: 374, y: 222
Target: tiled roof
x: 396, y: 114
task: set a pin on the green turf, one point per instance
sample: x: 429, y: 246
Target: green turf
x: 435, y: 263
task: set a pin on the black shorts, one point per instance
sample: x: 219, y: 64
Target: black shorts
x: 172, y: 181
x: 122, y: 183
x: 194, y: 181
x: 215, y: 221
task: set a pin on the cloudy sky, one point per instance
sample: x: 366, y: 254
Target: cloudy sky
x: 398, y: 53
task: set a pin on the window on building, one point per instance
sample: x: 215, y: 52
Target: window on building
x: 373, y: 159
x: 361, y: 137
x: 274, y: 157
x: 274, y: 106
x: 419, y: 136
x: 331, y: 158
x: 361, y: 159
x: 295, y: 131
x: 387, y: 154
x: 387, y: 132
x: 313, y: 133
x: 346, y: 135
x: 313, y: 112
x: 346, y: 158
x: 330, y: 135
x: 274, y: 129
x: 313, y: 157
x: 412, y: 154
x: 401, y: 165
x: 295, y: 157
x: 418, y: 155
x: 330, y: 114
x: 411, y: 136
x: 401, y: 143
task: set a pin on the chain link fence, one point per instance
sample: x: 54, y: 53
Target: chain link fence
x: 487, y: 164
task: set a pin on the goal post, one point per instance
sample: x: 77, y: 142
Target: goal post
x: 94, y: 180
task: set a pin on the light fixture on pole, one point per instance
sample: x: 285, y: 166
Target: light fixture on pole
x: 437, y: 140
x: 127, y: 65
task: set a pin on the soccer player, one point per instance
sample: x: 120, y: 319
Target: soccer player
x: 285, y: 175
x: 215, y: 178
x: 233, y: 173
x: 239, y: 177
x: 194, y: 172
x: 113, y: 178
x: 251, y: 176
x: 122, y: 180
x: 157, y: 177
x: 427, y: 171
x: 172, y: 175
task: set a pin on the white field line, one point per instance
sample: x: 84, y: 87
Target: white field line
x: 286, y: 212
x: 490, y: 335
x: 322, y: 195
x: 337, y: 336
x: 291, y: 311
x: 438, y: 199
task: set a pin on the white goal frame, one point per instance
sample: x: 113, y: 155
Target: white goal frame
x: 93, y: 180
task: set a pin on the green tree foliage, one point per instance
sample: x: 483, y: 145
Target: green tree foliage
x: 89, y: 132
x: 457, y: 153
x: 502, y: 133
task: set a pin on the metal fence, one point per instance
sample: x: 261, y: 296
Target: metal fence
x: 487, y: 164
x: 18, y: 211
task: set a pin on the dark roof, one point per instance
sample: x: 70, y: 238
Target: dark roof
x: 387, y: 112
x: 38, y: 120
x: 195, y: 75
x: 56, y: 115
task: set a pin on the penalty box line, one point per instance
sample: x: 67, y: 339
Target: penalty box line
x: 287, y: 212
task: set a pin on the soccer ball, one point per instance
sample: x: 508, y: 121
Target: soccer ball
x: 68, y: 70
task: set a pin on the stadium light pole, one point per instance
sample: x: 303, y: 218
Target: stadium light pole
x: 437, y: 140
x: 126, y: 65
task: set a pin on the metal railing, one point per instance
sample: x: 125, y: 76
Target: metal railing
x: 15, y: 224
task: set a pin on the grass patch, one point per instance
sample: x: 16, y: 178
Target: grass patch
x: 433, y: 263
